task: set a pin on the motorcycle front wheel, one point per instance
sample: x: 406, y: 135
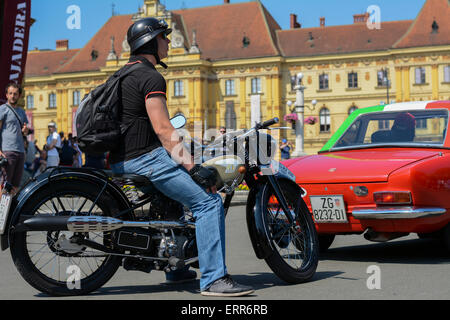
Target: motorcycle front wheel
x: 50, y: 261
x: 295, y: 246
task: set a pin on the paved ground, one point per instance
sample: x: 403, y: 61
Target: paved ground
x: 410, y: 269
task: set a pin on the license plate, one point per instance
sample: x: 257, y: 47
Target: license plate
x: 5, y: 204
x: 328, y: 209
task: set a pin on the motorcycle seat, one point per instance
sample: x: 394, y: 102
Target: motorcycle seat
x: 135, y: 179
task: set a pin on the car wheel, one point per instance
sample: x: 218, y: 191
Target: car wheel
x: 325, y: 242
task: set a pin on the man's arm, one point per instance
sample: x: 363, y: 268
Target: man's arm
x: 169, y: 137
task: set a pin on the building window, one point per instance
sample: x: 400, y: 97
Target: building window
x: 229, y: 88
x: 256, y: 85
x: 230, y: 116
x: 447, y: 74
x: 382, y: 78
x: 325, y: 120
x: 323, y: 82
x: 179, y: 90
x: 420, y: 76
x: 353, y: 80
x: 384, y: 125
x: 52, y: 100
x: 76, y: 98
x: 421, y: 124
x: 30, y: 102
x: 352, y: 109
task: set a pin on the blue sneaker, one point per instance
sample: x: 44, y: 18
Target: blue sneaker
x: 181, y: 276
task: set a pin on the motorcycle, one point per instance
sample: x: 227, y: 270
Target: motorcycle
x: 69, y: 229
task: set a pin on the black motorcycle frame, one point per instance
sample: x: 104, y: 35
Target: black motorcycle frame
x: 254, y: 209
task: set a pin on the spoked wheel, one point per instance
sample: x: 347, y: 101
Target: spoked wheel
x: 53, y: 262
x: 295, y: 255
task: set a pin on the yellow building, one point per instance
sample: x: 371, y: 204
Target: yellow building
x: 232, y: 64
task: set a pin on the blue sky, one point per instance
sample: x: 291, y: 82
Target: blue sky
x: 52, y: 15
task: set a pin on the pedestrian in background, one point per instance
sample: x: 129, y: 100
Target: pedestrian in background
x: 52, y: 146
x: 67, y: 154
x: 12, y: 131
x: 285, y: 149
x: 40, y: 163
x: 78, y: 162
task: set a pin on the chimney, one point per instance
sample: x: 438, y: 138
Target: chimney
x: 294, y: 23
x: 226, y: 1
x: 62, y: 45
x: 322, y: 21
x: 361, y: 18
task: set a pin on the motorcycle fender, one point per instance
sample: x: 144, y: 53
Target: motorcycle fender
x: 255, y: 222
x: 43, y: 181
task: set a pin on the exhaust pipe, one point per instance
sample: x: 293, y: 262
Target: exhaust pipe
x: 93, y: 224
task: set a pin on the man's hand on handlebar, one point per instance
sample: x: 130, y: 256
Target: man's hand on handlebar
x: 204, y: 177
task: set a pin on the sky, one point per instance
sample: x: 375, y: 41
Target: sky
x: 52, y: 16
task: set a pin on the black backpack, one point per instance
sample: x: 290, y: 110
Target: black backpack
x: 98, y: 116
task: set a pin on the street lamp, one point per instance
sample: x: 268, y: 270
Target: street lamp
x: 299, y: 108
x: 387, y: 82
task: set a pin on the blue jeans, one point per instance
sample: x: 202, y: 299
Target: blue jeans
x: 175, y: 182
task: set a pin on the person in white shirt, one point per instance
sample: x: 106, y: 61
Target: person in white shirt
x: 53, y: 143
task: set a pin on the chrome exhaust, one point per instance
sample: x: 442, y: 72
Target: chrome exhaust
x: 92, y: 224
x: 104, y: 224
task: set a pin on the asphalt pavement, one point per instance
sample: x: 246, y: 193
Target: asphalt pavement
x: 353, y: 269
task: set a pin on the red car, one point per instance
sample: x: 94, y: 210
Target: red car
x: 385, y: 173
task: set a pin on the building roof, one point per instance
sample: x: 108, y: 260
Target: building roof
x: 430, y: 28
x: 43, y: 63
x: 221, y: 30
x: 340, y: 39
x: 117, y: 27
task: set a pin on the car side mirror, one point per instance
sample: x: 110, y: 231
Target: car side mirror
x: 178, y: 122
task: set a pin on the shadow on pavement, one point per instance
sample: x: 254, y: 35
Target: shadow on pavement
x: 257, y: 280
x: 415, y: 251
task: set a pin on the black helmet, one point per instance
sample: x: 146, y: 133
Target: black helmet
x: 144, y: 31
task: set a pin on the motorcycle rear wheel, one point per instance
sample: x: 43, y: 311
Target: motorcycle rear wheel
x: 296, y: 250
x: 53, y: 265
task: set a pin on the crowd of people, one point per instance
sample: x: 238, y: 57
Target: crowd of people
x: 58, y: 151
x: 24, y: 157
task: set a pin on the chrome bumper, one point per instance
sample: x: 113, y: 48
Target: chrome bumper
x: 397, y: 213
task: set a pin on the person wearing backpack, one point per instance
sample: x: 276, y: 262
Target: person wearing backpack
x: 147, y: 148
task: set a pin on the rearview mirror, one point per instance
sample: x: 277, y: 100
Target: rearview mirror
x: 178, y: 122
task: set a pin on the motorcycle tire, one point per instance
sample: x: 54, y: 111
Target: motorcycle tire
x: 58, y: 197
x: 300, y: 243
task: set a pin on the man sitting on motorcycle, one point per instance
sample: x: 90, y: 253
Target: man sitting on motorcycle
x: 148, y: 148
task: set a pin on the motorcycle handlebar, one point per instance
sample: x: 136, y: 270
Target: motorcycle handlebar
x: 268, y: 123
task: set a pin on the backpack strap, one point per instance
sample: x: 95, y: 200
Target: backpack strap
x: 123, y: 72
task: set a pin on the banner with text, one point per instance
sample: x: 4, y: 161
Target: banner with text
x: 15, y: 21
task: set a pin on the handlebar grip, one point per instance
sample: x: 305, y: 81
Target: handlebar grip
x: 270, y: 123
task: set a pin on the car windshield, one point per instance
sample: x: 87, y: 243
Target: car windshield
x: 404, y: 128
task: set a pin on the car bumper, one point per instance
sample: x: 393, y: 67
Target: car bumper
x: 397, y: 213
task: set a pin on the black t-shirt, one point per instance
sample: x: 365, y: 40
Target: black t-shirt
x: 143, y: 83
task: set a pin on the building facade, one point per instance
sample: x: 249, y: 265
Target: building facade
x: 232, y: 64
